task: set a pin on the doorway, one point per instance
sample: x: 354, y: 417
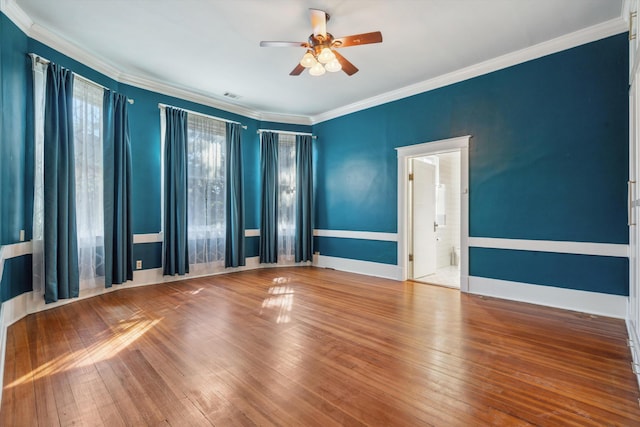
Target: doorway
x: 434, y: 189
x: 433, y: 219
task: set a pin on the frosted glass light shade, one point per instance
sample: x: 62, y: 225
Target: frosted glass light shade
x: 333, y: 66
x: 308, y: 60
x: 317, y: 70
x: 326, y: 55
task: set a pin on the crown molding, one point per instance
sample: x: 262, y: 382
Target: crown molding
x: 65, y: 47
x: 567, y: 41
x: 286, y: 118
x: 16, y: 15
x: 208, y: 100
x: 577, y: 38
x: 186, y: 94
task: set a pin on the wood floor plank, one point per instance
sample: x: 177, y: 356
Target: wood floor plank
x: 18, y: 368
x: 314, y: 347
x: 132, y: 400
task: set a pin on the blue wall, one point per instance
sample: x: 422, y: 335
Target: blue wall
x: 582, y: 272
x: 548, y: 161
x: 16, y: 277
x: 13, y: 112
x: 15, y: 157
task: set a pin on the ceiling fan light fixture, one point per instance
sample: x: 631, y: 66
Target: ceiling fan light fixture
x: 326, y: 55
x: 320, y: 55
x: 308, y: 60
x: 317, y: 70
x: 333, y: 66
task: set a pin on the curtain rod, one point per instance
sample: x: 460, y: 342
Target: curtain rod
x: 287, y: 132
x: 42, y: 60
x: 160, y: 105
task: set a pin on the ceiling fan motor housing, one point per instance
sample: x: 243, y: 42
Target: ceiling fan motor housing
x: 319, y: 42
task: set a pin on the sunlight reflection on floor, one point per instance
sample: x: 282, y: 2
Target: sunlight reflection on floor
x: 281, y: 301
x: 124, y: 334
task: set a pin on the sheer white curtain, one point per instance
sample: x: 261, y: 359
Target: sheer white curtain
x: 87, y: 127
x: 39, y: 83
x: 286, y: 198
x: 206, y: 180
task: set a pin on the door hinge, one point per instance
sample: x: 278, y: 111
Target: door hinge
x: 410, y: 257
x: 410, y: 177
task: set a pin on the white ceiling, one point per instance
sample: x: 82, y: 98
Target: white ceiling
x: 210, y: 47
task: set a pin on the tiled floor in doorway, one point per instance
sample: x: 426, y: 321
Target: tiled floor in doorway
x: 446, y: 276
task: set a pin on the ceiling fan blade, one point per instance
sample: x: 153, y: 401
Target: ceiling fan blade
x: 284, y: 44
x: 358, y: 39
x: 318, y: 22
x: 347, y: 66
x: 297, y: 71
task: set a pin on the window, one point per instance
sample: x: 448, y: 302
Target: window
x: 206, y: 182
x: 286, y: 197
x: 206, y: 190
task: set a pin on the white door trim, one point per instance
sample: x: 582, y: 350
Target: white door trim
x: 426, y: 149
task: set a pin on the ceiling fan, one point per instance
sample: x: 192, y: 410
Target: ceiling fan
x: 321, y: 47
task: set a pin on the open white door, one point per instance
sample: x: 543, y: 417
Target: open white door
x: 406, y: 155
x: 424, y: 218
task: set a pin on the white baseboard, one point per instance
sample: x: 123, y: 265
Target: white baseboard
x: 153, y: 276
x: 568, y: 299
x: 368, y: 268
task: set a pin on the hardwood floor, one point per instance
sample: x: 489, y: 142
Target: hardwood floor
x: 314, y: 347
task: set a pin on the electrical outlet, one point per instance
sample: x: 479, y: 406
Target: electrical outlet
x: 22, y: 235
x: 139, y: 264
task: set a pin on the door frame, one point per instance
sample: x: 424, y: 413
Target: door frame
x: 405, y: 154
